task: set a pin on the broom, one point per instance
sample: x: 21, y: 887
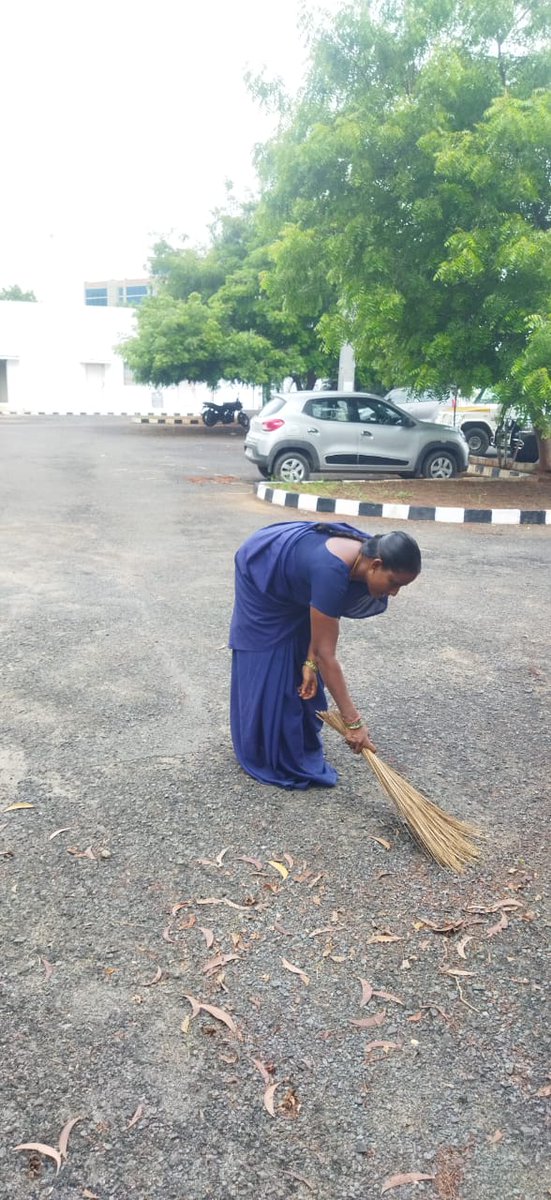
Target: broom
x: 442, y: 837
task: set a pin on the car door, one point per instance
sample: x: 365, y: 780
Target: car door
x: 331, y: 426
x: 385, y: 436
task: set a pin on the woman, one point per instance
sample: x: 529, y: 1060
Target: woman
x: 293, y: 583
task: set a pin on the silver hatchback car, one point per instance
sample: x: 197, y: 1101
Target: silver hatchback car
x: 336, y: 433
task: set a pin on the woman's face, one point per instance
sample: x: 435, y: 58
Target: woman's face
x: 383, y: 581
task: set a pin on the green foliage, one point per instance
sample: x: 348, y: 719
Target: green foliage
x: 15, y: 293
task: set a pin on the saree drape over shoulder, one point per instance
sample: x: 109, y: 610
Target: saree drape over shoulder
x: 281, y: 572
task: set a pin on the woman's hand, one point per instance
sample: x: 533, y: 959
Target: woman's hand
x: 359, y: 739
x: 309, y: 685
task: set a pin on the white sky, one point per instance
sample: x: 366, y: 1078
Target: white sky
x: 121, y: 122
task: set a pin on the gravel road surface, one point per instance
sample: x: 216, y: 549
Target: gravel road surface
x: 363, y: 1016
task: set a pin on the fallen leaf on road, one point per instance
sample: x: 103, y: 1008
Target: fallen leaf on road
x: 48, y: 968
x: 220, y: 1014
x: 396, y: 1181
x: 223, y: 900
x: 501, y: 924
x: 88, y: 1195
x: 220, y: 857
x: 461, y: 945
x: 57, y: 832
x: 289, y: 860
x: 266, y: 1074
x: 447, y: 927
x: 208, y: 935
x: 88, y: 853
x: 220, y: 961
x: 17, y: 805
x: 290, y: 1103
x: 296, y: 971
x: 386, y: 1046
x: 382, y: 841
x: 369, y: 1022
x: 283, y: 871
x: 166, y: 935
x: 269, y: 1098
x: 367, y: 992
x: 494, y: 1138
x: 186, y: 1023
x: 65, y: 1134
x: 302, y: 1179
x: 506, y: 904
x: 280, y: 929
x: 544, y: 1091
x: 456, y: 971
x: 41, y: 1148
x: 137, y: 1116
x: 188, y: 923
x: 388, y: 996
x: 195, y: 1004
x: 255, y: 862
x: 383, y: 937
x: 324, y: 929
x: 418, y: 1016
x: 156, y: 978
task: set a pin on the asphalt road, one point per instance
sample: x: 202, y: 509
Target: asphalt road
x: 116, y: 547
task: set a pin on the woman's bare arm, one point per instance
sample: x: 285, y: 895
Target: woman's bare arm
x: 322, y: 650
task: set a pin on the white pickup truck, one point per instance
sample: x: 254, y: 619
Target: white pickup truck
x: 476, y: 418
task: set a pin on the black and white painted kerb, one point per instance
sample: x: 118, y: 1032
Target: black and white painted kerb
x: 401, y: 512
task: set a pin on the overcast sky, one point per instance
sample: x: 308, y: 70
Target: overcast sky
x: 122, y: 121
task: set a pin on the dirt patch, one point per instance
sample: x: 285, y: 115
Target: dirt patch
x: 467, y: 492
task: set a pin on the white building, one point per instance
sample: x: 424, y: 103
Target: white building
x: 62, y: 359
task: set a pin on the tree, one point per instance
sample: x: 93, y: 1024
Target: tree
x: 217, y: 314
x: 415, y: 166
x: 15, y: 293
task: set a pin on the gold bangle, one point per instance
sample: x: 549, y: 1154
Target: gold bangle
x: 308, y: 663
x: 354, y: 724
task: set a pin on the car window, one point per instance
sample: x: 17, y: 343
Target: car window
x: 328, y: 409
x: 272, y: 406
x: 375, y: 412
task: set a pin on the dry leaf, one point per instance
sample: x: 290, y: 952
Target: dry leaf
x: 41, y: 1148
x: 137, y: 1116
x: 220, y: 857
x: 280, y: 929
x: 544, y: 1091
x: 395, y: 1181
x: 223, y: 900
x: 324, y: 929
x: 296, y: 971
x: 166, y: 935
x: 195, y: 1005
x: 418, y: 1016
x: 186, y: 1024
x: 369, y: 1022
x: 65, y: 1134
x: 495, y: 1137
x: 283, y: 871
x: 220, y: 961
x: 506, y: 904
x: 17, y: 805
x: 386, y: 1046
x: 367, y: 992
x: 208, y: 935
x: 453, y: 971
x: 48, y: 968
x: 156, y: 978
x: 88, y: 853
x: 88, y: 1195
x: 220, y: 1014
x: 461, y: 945
x: 501, y: 924
x: 255, y: 862
x: 269, y: 1098
x: 382, y: 841
x: 188, y: 923
x: 448, y: 927
x: 266, y: 1074
x: 388, y: 996
x: 290, y: 1103
x: 383, y: 937
x: 57, y: 832
x: 315, y: 880
x: 289, y: 860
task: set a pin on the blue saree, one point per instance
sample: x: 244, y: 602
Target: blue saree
x: 282, y: 571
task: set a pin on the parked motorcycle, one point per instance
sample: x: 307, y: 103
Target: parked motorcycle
x: 225, y: 413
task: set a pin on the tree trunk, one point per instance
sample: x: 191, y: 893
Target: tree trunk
x: 544, y: 448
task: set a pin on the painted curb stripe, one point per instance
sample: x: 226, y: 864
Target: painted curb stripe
x: 401, y: 512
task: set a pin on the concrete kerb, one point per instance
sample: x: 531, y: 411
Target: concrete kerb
x: 307, y: 502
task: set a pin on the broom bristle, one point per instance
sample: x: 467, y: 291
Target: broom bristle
x: 445, y: 838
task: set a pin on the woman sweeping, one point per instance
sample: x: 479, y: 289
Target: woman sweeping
x: 293, y: 583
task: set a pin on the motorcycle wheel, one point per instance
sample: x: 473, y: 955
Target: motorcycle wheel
x: 227, y: 418
x: 209, y: 417
x: 243, y: 420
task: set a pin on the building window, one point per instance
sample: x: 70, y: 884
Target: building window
x: 135, y: 293
x: 96, y: 296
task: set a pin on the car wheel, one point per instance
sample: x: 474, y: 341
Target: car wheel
x: 439, y: 464
x: 291, y: 467
x: 477, y: 440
